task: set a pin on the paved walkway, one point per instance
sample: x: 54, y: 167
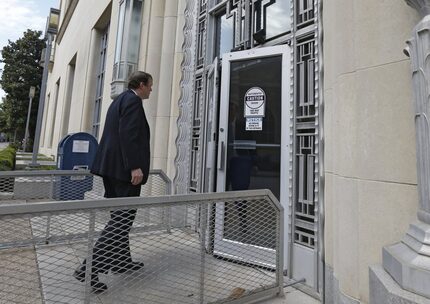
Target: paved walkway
x: 171, y: 274
x: 292, y: 296
x: 24, y: 159
x: 58, y: 285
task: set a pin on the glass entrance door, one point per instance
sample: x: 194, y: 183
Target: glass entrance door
x: 253, y: 150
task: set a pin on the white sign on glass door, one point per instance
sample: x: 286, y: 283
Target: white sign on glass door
x: 254, y: 123
x: 255, y: 102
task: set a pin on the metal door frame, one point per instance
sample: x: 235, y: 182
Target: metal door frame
x: 210, y: 128
x: 227, y: 247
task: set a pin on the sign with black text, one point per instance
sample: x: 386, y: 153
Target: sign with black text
x: 255, y: 102
x: 254, y: 124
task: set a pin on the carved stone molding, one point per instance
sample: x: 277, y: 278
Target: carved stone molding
x: 183, y: 139
x: 422, y: 6
x: 408, y: 261
x: 320, y: 138
x: 419, y: 51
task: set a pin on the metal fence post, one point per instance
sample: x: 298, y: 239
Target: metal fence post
x: 169, y: 208
x: 89, y: 260
x: 48, y: 229
x: 203, y: 227
x: 280, y: 255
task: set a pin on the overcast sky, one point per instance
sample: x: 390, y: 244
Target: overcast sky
x: 16, y: 16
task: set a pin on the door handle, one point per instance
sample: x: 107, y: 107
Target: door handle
x: 221, y: 156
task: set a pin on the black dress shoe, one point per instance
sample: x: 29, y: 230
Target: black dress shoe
x: 125, y: 267
x: 97, y: 286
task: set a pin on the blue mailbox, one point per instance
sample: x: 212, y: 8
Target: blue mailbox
x: 76, y: 151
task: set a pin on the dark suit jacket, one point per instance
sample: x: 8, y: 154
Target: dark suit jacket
x: 124, y: 145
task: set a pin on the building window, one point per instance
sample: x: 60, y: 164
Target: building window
x: 68, y: 97
x: 250, y: 23
x: 272, y: 18
x: 53, y: 114
x: 225, y: 35
x: 45, y: 115
x: 100, y: 82
x: 127, y: 44
x: 238, y: 13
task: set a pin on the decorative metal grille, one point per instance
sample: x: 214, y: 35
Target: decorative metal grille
x: 248, y: 18
x: 201, y: 43
x: 306, y: 80
x: 304, y: 232
x: 305, y: 13
x: 305, y: 156
x: 202, y: 7
x: 196, y: 136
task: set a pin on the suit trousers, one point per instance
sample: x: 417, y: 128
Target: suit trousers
x: 112, y: 248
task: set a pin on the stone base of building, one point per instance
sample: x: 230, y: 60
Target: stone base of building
x: 333, y: 294
x: 384, y: 290
x: 408, y: 261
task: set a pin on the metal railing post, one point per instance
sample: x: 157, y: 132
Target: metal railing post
x: 169, y: 208
x: 203, y: 227
x: 89, y: 260
x: 48, y: 221
x: 280, y: 253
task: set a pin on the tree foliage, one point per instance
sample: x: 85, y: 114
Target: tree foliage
x: 21, y: 71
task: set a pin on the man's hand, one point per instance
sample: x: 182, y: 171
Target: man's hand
x: 136, y: 176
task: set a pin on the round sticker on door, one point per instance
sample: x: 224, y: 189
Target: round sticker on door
x: 255, y: 102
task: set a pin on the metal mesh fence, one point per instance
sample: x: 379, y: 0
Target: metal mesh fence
x: 62, y: 185
x: 187, y: 260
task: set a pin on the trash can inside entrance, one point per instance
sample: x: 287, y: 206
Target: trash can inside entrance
x: 76, y: 151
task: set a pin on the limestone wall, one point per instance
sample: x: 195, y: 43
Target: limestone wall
x: 160, y: 55
x: 371, y: 194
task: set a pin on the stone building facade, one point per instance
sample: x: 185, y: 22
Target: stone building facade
x: 312, y: 99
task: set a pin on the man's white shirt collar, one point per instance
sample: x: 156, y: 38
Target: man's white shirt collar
x: 137, y: 95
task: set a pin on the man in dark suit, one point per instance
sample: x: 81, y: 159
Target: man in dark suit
x: 122, y: 159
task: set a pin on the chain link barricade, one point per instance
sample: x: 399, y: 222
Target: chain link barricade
x: 64, y: 185
x: 210, y: 252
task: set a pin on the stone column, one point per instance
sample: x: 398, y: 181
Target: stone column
x: 408, y: 261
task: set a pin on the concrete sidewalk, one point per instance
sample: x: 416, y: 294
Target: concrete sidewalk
x: 23, y: 159
x: 292, y: 296
x: 44, y: 272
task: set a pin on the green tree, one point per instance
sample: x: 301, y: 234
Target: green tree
x: 21, y: 71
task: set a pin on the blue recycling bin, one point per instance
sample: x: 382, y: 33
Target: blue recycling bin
x: 76, y: 151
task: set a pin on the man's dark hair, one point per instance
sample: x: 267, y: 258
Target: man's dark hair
x: 136, y: 78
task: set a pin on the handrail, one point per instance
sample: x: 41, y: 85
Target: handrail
x: 77, y: 173
x: 131, y: 202
x: 21, y: 173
